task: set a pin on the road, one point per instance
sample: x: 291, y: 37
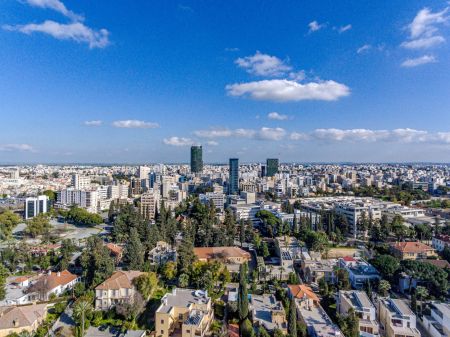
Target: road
x: 65, y: 321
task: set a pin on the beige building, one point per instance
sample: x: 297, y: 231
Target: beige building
x: 22, y: 318
x: 118, y: 288
x: 396, y: 319
x: 412, y: 250
x: 149, y: 203
x: 268, y: 312
x: 229, y: 255
x: 364, y: 309
x: 185, y: 313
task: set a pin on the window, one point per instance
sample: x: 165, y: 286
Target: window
x: 180, y: 316
x: 162, y: 332
x: 162, y: 321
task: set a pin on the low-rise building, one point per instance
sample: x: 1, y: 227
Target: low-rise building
x: 230, y: 256
x: 440, y: 242
x: 14, y: 320
x: 53, y: 283
x: 396, y: 319
x: 16, y: 291
x: 364, y: 309
x: 437, y: 323
x: 185, y: 313
x: 118, y: 288
x: 268, y: 312
x: 162, y: 253
x: 412, y: 250
x: 314, y: 270
x: 360, y: 272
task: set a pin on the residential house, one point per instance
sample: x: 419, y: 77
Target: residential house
x: 118, y: 288
x: 317, y: 321
x: 268, y: 312
x: 364, y: 309
x: 162, y: 253
x: 396, y: 318
x: 185, y: 313
x: 412, y: 250
x: 115, y: 251
x: 232, y: 257
x: 437, y: 323
x: 360, y: 272
x: 14, y: 320
x: 16, y: 291
x: 440, y: 242
x: 314, y: 270
x: 53, y: 283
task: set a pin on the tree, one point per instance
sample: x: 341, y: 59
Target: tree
x: 343, y: 280
x: 229, y: 227
x: 96, y: 262
x: 387, y: 265
x: 414, y: 302
x: 80, y: 309
x: 265, y: 250
x: 421, y: 294
x: 67, y: 249
x: 243, y: 295
x: 292, y: 323
x: 146, y: 284
x: 131, y: 308
x: 384, y: 287
x: 316, y: 241
x: 246, y: 328
x: 433, y: 277
x: 170, y: 270
x: 134, y: 251
x: 183, y: 280
x: 38, y: 225
x: 186, y: 256
x: 3, y: 276
x: 349, y: 324
x: 50, y: 194
x: 8, y: 221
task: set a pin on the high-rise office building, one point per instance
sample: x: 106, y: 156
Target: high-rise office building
x: 233, y: 181
x: 271, y: 167
x: 196, y: 159
x: 35, y: 206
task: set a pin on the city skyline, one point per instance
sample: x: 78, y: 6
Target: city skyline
x: 302, y: 82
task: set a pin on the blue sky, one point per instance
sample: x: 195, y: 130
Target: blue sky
x: 140, y: 81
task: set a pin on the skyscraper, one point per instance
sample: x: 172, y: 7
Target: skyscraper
x: 233, y: 181
x: 271, y: 167
x: 196, y: 159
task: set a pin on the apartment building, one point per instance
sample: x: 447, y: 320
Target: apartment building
x: 440, y: 242
x: 162, y: 253
x: 412, y: 250
x: 149, y: 204
x: 396, y: 319
x: 185, y: 313
x: 80, y: 182
x: 218, y: 199
x: 116, y: 289
x: 85, y: 199
x: 437, y: 323
x: 364, y: 309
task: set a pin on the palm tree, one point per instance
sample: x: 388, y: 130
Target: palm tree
x: 80, y: 309
x: 421, y: 294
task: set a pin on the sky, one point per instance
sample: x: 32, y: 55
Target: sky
x: 139, y: 81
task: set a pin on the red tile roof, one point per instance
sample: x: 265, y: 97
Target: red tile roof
x: 301, y: 291
x: 411, y: 247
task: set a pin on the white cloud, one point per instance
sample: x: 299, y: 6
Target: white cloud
x: 425, y: 22
x: 75, y: 31
x: 93, y: 123
x: 212, y: 143
x: 282, y: 90
x: 314, y: 26
x: 297, y: 75
x: 271, y: 133
x: 414, y: 62
x: 135, y: 124
x: 424, y: 31
x: 16, y: 147
x: 423, y: 43
x: 263, y: 65
x: 178, y: 141
x: 364, y: 49
x: 401, y: 135
x: 277, y: 116
x: 264, y: 133
x: 345, y: 28
x: 55, y: 5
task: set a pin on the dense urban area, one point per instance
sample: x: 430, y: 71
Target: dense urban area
x: 225, y: 250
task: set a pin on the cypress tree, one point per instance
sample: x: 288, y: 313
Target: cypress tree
x: 243, y: 294
x: 292, y: 323
x: 134, y: 251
